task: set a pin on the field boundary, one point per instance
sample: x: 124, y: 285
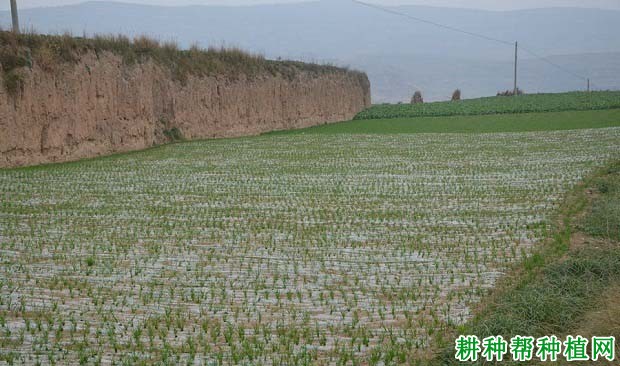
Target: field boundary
x: 565, y: 250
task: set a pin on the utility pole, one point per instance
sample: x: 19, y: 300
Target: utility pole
x: 588, y: 85
x: 14, y: 16
x: 516, y: 60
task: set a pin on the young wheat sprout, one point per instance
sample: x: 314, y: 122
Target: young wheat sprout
x: 280, y: 249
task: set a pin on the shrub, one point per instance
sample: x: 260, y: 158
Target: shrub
x: 45, y: 58
x: 13, y: 82
x: 174, y: 134
x: 456, y: 96
x: 417, y: 98
x: 12, y: 58
x: 145, y: 45
x: 509, y: 93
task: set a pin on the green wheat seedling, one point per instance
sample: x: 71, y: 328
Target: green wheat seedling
x: 280, y: 249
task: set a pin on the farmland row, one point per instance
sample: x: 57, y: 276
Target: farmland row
x: 299, y: 249
x: 527, y: 103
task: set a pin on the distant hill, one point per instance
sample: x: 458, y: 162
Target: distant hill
x: 399, y: 55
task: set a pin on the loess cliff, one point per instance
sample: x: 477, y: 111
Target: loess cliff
x: 97, y: 103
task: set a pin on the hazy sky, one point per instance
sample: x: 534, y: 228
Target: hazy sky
x: 479, y: 4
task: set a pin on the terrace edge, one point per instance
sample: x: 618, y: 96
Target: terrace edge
x: 568, y: 250
x: 98, y: 104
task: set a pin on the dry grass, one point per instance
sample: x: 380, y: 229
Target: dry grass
x: 52, y: 51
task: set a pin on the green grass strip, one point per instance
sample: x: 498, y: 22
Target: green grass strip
x: 557, y: 285
x: 472, y: 124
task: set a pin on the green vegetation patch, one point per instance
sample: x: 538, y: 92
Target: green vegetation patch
x: 563, y: 281
x: 174, y: 134
x: 526, y: 103
x: 472, y: 124
x: 603, y: 219
x: 13, y: 82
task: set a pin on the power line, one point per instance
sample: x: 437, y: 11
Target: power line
x: 542, y: 58
x: 478, y: 35
x: 454, y: 29
x: 559, y: 67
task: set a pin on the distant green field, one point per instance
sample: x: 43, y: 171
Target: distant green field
x: 473, y: 124
x: 574, y: 101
